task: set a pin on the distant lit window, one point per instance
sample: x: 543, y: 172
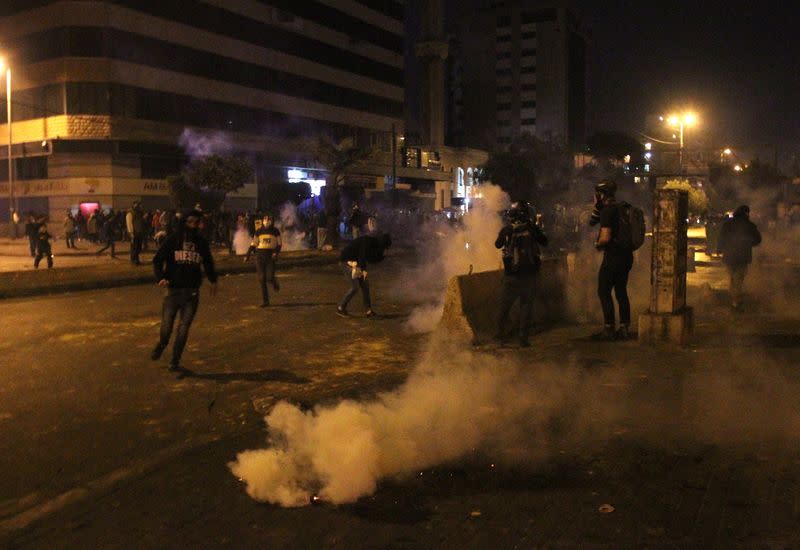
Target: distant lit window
x: 648, y: 155
x: 646, y: 167
x: 648, y: 146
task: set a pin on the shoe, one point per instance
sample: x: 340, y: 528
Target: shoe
x: 605, y: 335
x: 174, y: 367
x: 371, y: 313
x: 623, y: 333
x: 155, y: 355
x: 342, y: 312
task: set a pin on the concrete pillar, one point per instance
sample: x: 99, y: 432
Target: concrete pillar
x: 668, y: 318
x: 432, y: 50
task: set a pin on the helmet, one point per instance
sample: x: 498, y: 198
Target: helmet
x: 606, y: 187
x: 520, y: 211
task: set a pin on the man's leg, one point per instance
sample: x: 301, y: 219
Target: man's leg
x: 526, y: 292
x: 37, y: 259
x: 261, y: 268
x: 621, y: 292
x: 32, y: 244
x: 605, y: 282
x: 508, y: 295
x: 737, y: 274
x: 188, y: 308
x: 49, y: 259
x: 168, y: 311
x: 270, y: 268
x: 354, y: 287
x: 364, y: 284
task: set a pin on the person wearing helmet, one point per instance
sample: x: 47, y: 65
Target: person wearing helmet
x: 616, y: 265
x: 519, y: 239
x: 267, y: 245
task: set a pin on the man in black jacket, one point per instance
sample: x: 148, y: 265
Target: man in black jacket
x: 177, y: 267
x: 354, y: 258
x: 519, y: 239
x: 736, y: 240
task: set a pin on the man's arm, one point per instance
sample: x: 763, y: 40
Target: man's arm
x: 208, y: 262
x: 159, y: 259
x: 500, y: 242
x: 756, y: 235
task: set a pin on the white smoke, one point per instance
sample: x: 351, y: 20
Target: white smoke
x: 288, y: 222
x: 241, y: 241
x: 457, y: 250
x: 455, y: 401
x: 204, y: 143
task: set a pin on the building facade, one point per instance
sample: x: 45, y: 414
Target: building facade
x: 111, y: 97
x: 523, y: 71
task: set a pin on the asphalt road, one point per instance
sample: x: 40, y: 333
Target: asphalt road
x: 100, y: 447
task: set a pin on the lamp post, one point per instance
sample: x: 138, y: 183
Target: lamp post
x: 680, y: 122
x: 7, y: 69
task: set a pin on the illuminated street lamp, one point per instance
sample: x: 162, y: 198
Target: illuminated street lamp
x: 5, y: 67
x: 680, y: 122
x: 727, y: 152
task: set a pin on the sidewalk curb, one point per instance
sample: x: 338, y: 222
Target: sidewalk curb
x: 147, y: 277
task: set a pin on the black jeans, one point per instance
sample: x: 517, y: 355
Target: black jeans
x: 137, y: 240
x: 32, y: 244
x: 517, y: 287
x: 360, y: 283
x: 70, y: 238
x: 185, y: 301
x: 109, y: 244
x: 613, y: 275
x: 41, y: 252
x: 265, y: 266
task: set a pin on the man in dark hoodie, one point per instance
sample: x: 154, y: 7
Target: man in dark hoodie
x: 177, y: 267
x: 355, y: 257
x: 736, y: 240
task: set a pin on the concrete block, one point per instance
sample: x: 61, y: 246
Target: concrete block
x: 666, y: 328
x: 472, y: 302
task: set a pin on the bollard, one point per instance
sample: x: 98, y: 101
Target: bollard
x: 668, y: 319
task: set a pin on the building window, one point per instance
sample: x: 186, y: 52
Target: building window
x: 503, y: 106
x: 504, y: 21
x: 503, y: 55
x: 529, y: 34
x: 528, y: 121
x: 528, y: 70
x: 528, y: 104
x: 30, y: 168
x: 530, y: 51
x: 504, y: 38
x: 504, y: 89
x: 504, y: 72
x: 528, y: 87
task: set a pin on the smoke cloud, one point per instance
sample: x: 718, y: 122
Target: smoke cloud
x: 289, y: 225
x: 205, y: 143
x: 452, y: 250
x: 455, y: 401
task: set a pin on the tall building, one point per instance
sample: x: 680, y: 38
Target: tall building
x: 110, y: 97
x: 524, y: 71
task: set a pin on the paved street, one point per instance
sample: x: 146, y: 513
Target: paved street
x: 103, y: 448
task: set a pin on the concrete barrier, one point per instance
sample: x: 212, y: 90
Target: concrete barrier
x: 472, y: 302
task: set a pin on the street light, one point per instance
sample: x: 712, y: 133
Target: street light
x: 680, y: 122
x: 5, y: 67
x: 727, y: 152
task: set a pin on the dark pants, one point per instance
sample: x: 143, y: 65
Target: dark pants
x: 137, y: 240
x: 109, y: 244
x: 357, y: 284
x: 265, y: 266
x: 613, y: 275
x: 43, y: 251
x: 32, y: 244
x: 517, y: 287
x: 737, y: 273
x: 185, y: 301
x: 70, y: 238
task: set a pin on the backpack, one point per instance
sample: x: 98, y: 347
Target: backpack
x: 631, y: 227
x: 521, y: 252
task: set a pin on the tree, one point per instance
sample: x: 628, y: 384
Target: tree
x: 207, y: 180
x: 698, y: 200
x: 532, y: 168
x: 338, y: 159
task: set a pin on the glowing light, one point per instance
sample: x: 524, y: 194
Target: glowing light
x: 295, y: 175
x: 738, y: 167
x: 648, y: 146
x: 673, y: 120
x: 648, y: 155
x: 690, y: 119
x: 727, y: 151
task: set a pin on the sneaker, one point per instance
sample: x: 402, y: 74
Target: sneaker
x: 156, y: 353
x: 623, y: 333
x: 342, y: 312
x: 371, y: 313
x: 174, y: 367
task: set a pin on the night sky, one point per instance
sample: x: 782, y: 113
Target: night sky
x: 736, y: 63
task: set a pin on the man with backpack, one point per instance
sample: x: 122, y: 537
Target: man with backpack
x: 621, y: 232
x: 519, y: 239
